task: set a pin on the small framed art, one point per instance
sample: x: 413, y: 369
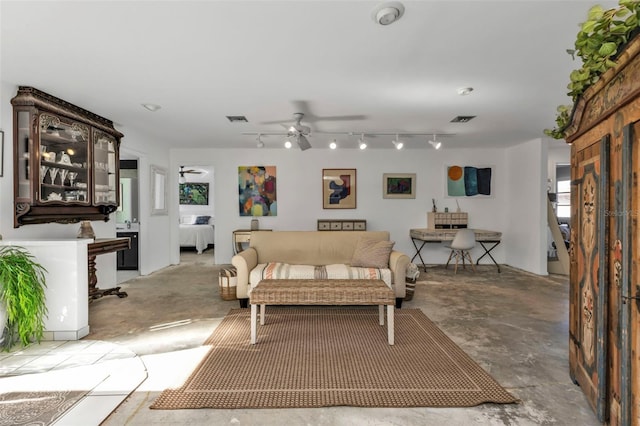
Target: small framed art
x: 339, y: 188
x: 399, y: 185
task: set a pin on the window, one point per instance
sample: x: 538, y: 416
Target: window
x: 563, y: 206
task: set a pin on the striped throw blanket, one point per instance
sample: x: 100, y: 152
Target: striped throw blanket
x: 281, y: 271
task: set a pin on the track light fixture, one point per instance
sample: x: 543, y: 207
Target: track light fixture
x: 333, y: 144
x: 361, y: 142
x: 434, y: 143
x: 397, y: 143
x: 287, y: 144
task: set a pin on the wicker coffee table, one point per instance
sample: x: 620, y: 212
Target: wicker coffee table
x: 322, y: 292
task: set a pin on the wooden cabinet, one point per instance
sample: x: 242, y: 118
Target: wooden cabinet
x: 447, y: 220
x: 66, y: 161
x: 604, y: 313
x: 342, y: 225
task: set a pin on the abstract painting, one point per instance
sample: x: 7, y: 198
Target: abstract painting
x: 257, y: 191
x: 468, y: 181
x: 399, y: 185
x: 195, y: 194
x: 339, y: 188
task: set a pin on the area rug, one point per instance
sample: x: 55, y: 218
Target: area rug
x: 36, y: 408
x: 326, y: 356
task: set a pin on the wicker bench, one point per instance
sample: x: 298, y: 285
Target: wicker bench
x: 322, y: 292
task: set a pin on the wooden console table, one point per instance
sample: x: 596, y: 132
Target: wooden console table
x: 102, y: 246
x: 428, y: 235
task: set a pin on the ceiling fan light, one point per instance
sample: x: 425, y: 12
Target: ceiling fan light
x: 260, y: 144
x: 182, y: 179
x: 398, y: 144
x: 287, y: 144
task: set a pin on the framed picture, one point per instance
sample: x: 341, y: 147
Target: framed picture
x: 339, y: 188
x: 194, y: 194
x: 399, y: 185
x: 469, y: 181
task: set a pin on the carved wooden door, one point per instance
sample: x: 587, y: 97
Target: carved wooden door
x: 588, y: 308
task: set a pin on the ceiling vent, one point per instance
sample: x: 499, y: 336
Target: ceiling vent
x: 237, y: 119
x: 463, y: 118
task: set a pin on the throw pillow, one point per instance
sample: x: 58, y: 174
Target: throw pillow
x: 372, y: 253
x: 202, y: 220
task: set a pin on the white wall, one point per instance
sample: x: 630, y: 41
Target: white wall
x: 526, y: 223
x: 299, y: 191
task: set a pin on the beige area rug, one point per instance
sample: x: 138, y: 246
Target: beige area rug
x: 326, y: 356
x: 36, y: 408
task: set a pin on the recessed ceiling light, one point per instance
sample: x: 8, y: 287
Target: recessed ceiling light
x: 387, y: 13
x: 152, y: 107
x: 464, y: 91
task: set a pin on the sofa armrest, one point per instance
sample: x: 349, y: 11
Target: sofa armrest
x: 398, y: 262
x: 244, y: 262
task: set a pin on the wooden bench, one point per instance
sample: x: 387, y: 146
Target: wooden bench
x: 322, y: 292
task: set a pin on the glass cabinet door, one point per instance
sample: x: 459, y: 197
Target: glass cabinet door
x: 23, y: 154
x: 104, y: 169
x: 63, y: 154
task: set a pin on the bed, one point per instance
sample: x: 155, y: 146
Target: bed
x: 196, y: 231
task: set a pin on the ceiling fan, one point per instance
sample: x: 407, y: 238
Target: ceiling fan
x: 190, y: 171
x: 299, y: 131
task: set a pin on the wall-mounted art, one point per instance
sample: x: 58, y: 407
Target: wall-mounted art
x: 257, y: 191
x: 194, y: 194
x: 468, y: 181
x: 399, y: 185
x: 339, y: 188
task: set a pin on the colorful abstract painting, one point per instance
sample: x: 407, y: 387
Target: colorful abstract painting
x: 257, y: 191
x: 467, y: 181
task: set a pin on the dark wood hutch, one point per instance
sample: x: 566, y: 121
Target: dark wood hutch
x: 66, y: 161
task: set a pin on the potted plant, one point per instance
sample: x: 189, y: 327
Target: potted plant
x: 598, y: 42
x: 22, y: 296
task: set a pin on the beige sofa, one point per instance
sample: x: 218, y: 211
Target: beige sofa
x: 308, y: 249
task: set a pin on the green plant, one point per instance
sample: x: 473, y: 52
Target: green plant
x: 597, y: 44
x: 22, y: 292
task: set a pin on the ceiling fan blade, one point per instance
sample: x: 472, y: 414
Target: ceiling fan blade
x: 303, y: 143
x: 342, y: 118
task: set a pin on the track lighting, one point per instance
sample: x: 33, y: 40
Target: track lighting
x: 397, y: 143
x: 260, y: 143
x: 435, y: 143
x: 361, y: 143
x: 333, y: 144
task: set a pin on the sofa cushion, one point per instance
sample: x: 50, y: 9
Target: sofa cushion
x: 372, y: 253
x: 276, y: 270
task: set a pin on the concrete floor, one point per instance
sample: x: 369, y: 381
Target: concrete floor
x: 514, y: 324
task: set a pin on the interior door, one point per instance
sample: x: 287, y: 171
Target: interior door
x: 588, y: 297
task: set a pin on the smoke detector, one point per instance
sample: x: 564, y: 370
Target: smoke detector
x: 387, y: 13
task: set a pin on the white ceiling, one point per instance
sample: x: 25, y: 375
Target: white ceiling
x: 204, y: 60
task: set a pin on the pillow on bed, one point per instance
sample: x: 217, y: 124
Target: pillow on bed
x: 188, y: 220
x: 202, y: 220
x: 372, y: 253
